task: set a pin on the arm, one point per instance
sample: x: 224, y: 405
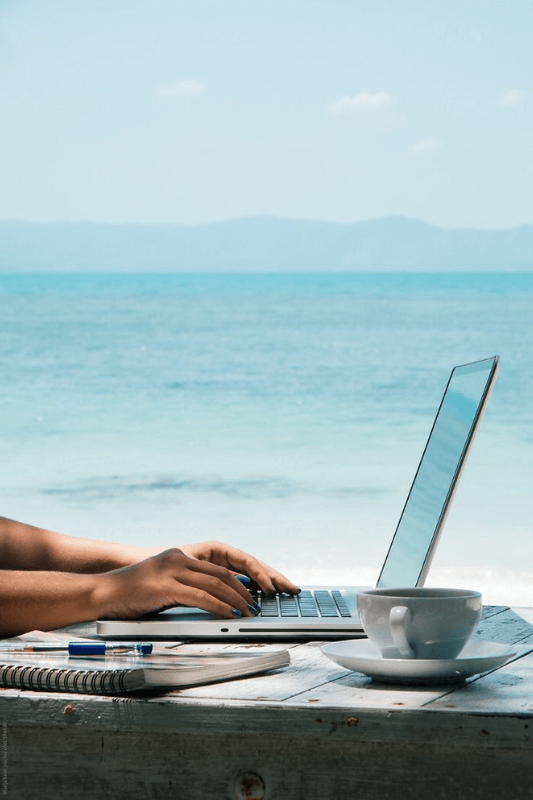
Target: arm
x: 24, y: 547
x: 199, y: 575
x: 45, y: 600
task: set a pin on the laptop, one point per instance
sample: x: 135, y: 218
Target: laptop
x: 331, y: 612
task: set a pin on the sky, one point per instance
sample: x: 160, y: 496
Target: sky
x: 193, y: 111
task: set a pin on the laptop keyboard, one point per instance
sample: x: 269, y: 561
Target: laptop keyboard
x: 318, y: 603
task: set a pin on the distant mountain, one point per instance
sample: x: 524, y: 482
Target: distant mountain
x: 261, y: 244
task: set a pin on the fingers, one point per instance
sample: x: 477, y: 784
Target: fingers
x: 213, y: 588
x: 198, y: 598
x: 267, y: 578
x: 270, y: 577
x: 244, y: 579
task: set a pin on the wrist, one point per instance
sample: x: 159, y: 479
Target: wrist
x: 106, y: 591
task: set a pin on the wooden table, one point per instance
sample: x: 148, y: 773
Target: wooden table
x: 312, y: 731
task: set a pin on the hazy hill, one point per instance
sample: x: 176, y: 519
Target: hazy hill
x: 260, y: 244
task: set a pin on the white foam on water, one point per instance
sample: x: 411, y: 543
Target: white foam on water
x: 498, y: 586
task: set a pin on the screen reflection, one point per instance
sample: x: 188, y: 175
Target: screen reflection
x: 437, y: 473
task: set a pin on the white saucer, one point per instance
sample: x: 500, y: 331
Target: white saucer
x: 363, y: 656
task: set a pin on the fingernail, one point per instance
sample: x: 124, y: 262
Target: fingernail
x: 243, y: 578
x: 236, y: 612
x: 257, y: 607
x: 254, y: 609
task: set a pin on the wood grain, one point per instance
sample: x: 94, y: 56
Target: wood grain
x: 313, y: 731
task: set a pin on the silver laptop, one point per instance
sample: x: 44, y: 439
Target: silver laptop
x: 331, y: 612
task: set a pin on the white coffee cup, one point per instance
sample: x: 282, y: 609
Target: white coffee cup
x: 419, y: 622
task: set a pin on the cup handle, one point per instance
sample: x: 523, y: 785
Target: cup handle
x: 399, y: 617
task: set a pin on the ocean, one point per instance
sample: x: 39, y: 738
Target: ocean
x: 285, y: 414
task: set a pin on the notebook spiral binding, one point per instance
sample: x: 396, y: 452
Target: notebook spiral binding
x: 62, y: 680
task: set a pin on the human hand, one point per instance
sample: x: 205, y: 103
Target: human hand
x: 198, y: 575
x: 266, y: 578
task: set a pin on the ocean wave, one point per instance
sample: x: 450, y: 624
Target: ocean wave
x: 116, y: 486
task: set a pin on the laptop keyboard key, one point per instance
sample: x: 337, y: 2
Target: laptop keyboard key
x: 288, y: 606
x: 340, y: 602
x: 307, y: 604
x: 269, y: 606
x: 326, y: 606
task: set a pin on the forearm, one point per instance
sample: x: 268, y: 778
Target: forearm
x: 24, y: 547
x: 48, y: 600
x: 201, y: 575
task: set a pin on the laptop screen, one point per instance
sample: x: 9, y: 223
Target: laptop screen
x: 437, y: 475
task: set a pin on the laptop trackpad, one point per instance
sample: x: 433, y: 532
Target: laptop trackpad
x: 180, y: 614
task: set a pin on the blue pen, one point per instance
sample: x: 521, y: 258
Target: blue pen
x: 102, y: 649
x: 78, y: 648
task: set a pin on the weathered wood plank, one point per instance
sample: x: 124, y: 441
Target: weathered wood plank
x: 490, y: 611
x: 508, y: 690
x: 321, y: 732
x: 308, y: 669
x: 525, y: 613
x: 507, y: 627
x: 373, y: 756
x: 208, y: 717
x: 353, y: 690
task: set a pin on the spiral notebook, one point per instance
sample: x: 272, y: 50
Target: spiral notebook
x: 103, y: 675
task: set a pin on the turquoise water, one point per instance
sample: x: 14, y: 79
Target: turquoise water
x: 283, y: 413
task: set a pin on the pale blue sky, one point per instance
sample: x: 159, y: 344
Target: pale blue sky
x: 191, y: 111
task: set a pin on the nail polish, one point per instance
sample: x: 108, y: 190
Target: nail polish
x: 236, y: 612
x: 254, y: 610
